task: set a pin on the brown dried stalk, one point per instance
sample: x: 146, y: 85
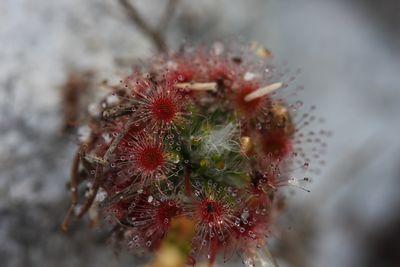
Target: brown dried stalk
x: 168, y: 14
x: 155, y: 35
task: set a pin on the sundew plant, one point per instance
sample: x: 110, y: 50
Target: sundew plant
x: 189, y: 153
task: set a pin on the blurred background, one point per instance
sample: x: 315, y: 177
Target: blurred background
x: 349, y: 53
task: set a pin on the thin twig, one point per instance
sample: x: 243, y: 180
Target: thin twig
x: 154, y: 35
x: 74, y: 177
x: 68, y: 218
x: 98, y: 178
x: 73, y: 187
x: 168, y: 14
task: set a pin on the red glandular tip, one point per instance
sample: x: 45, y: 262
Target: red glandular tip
x: 150, y: 158
x: 210, y: 212
x: 143, y: 158
x: 161, y: 109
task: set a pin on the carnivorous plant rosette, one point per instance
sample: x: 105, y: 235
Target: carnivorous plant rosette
x: 205, y: 137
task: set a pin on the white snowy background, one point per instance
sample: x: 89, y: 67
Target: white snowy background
x: 349, y: 53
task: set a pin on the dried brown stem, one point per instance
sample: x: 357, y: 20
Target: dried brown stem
x: 98, y: 178
x: 113, y: 113
x: 74, y: 177
x: 155, y: 35
x: 68, y: 218
x: 93, y: 192
x: 124, y: 194
x: 168, y: 14
x: 73, y: 187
